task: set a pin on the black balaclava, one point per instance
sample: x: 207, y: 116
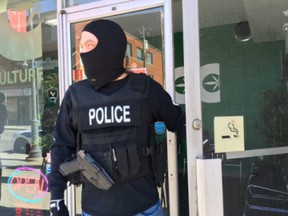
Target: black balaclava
x: 104, y: 63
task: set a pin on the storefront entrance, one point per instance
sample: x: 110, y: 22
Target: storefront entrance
x: 226, y: 62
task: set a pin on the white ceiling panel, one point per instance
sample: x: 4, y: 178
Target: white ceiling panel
x: 220, y: 12
x: 266, y: 19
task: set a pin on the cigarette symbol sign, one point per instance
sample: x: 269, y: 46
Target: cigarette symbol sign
x: 229, y: 133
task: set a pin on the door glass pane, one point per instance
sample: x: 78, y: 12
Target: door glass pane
x: 144, y: 32
x: 29, y: 83
x: 244, y: 101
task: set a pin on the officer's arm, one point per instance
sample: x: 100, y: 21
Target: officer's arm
x: 58, y: 182
x: 164, y: 109
x: 63, y: 147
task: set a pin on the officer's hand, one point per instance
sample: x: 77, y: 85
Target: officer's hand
x: 58, y: 208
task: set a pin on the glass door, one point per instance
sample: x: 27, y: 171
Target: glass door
x: 243, y: 48
x: 144, y: 28
x: 144, y: 51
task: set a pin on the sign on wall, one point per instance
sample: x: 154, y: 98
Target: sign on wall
x: 210, y: 83
x: 229, y: 133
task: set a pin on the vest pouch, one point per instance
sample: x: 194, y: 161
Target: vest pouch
x: 160, y: 163
x: 104, y: 158
x: 116, y: 152
x: 120, y: 160
x: 126, y: 159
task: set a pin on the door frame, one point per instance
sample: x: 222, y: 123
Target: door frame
x: 101, y: 9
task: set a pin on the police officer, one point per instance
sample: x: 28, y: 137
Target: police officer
x: 111, y: 116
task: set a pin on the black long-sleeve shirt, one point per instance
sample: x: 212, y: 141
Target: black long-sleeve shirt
x: 125, y: 198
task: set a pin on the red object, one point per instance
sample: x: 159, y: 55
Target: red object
x: 77, y: 75
x: 17, y: 20
x: 138, y: 70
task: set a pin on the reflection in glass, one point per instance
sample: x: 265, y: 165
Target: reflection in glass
x: 144, y: 44
x: 29, y: 81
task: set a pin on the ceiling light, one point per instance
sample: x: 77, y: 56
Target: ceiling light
x: 242, y: 31
x: 51, y: 22
x: 285, y: 27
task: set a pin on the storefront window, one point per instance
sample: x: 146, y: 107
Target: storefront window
x: 244, y: 93
x: 29, y: 83
x: 245, y: 109
x: 244, y: 85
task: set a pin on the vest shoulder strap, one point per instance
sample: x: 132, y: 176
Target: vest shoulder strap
x: 139, y: 82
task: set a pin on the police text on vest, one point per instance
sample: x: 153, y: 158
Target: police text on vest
x: 118, y: 114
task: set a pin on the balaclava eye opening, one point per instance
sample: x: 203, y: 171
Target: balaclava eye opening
x: 104, y: 63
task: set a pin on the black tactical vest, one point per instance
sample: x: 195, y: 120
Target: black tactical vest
x: 116, y: 129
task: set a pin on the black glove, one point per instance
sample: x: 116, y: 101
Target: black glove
x: 58, y: 208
